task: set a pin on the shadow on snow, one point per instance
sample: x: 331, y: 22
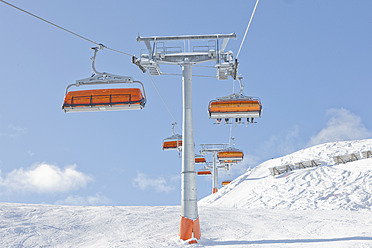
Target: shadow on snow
x: 284, y: 241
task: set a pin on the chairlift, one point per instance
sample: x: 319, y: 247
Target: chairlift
x: 104, y: 99
x: 204, y: 173
x: 235, y: 106
x: 199, y: 159
x: 173, y: 142
x: 230, y: 155
x: 224, y: 183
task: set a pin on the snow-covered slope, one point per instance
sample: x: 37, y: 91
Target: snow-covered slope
x: 303, y: 208
x: 346, y: 186
x: 37, y: 226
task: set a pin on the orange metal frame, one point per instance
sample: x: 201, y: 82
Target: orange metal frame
x: 230, y: 154
x: 234, y: 106
x: 172, y: 144
x: 200, y: 160
x: 224, y: 183
x: 200, y: 173
x: 102, y: 97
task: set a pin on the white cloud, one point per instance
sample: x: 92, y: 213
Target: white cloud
x: 75, y: 200
x: 248, y: 162
x: 281, y: 144
x: 44, y: 178
x: 30, y: 153
x: 14, y: 131
x: 159, y: 184
x: 342, y: 125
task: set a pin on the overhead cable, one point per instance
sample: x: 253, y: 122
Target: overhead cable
x: 64, y: 29
x: 89, y: 40
x: 246, y: 31
x: 165, y: 104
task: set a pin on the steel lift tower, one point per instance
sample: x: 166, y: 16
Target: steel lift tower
x: 214, y: 149
x: 191, y: 50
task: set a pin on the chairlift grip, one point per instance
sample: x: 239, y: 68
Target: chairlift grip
x: 241, y: 85
x: 96, y: 49
x: 135, y: 61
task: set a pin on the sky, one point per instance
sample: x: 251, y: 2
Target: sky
x: 308, y: 61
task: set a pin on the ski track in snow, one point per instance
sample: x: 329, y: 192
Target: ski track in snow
x: 325, y: 206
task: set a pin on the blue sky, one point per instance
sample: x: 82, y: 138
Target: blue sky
x: 308, y: 61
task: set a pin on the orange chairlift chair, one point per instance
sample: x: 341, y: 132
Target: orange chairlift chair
x: 199, y: 159
x: 224, y: 183
x: 230, y: 155
x: 236, y: 106
x: 104, y: 99
x: 204, y: 172
x: 173, y: 142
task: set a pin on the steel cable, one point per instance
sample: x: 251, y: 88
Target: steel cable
x: 165, y: 104
x: 246, y: 31
x: 91, y: 41
x: 64, y: 29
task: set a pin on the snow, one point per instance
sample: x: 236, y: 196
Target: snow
x: 69, y: 226
x: 325, y: 206
x: 329, y: 187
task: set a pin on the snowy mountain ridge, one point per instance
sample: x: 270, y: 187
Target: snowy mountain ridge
x: 329, y: 187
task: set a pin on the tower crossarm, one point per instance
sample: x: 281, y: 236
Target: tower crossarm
x: 191, y: 48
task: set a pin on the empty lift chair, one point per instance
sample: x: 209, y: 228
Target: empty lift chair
x: 199, y: 159
x: 204, y: 172
x: 173, y: 142
x: 224, y: 183
x: 105, y: 99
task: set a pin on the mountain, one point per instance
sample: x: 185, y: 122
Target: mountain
x: 328, y: 186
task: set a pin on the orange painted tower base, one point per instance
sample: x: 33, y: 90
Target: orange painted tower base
x: 188, y: 227
x: 214, y: 190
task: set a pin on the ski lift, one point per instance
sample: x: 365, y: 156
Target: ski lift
x: 230, y: 155
x: 236, y: 106
x: 104, y: 99
x: 199, y: 159
x: 204, y: 173
x: 224, y: 183
x: 173, y: 142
